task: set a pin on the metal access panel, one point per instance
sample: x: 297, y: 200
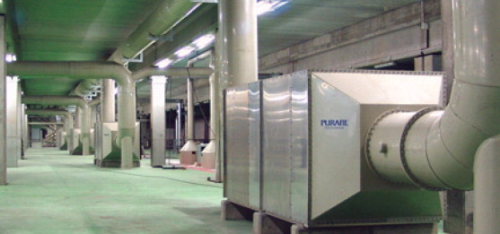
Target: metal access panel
x: 285, y: 139
x: 242, y: 146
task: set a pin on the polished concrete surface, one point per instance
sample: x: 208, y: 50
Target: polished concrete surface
x: 52, y: 192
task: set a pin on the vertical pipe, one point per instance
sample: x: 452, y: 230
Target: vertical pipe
x: 211, y: 150
x: 221, y: 69
x: 178, y: 126
x: 3, y: 158
x: 190, y: 111
x: 158, y: 120
x: 108, y: 101
x: 487, y: 188
x: 68, y: 125
x: 190, y: 146
x: 78, y: 119
x: 126, y: 122
x: 85, y: 130
x: 241, y: 28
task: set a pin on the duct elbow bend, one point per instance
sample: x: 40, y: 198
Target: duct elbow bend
x: 411, y: 148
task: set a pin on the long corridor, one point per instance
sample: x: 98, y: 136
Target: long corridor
x: 52, y: 192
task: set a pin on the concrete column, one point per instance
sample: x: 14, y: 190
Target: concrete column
x: 241, y: 27
x: 20, y: 117
x: 188, y: 151
x: 108, y: 101
x: 158, y: 120
x: 12, y: 119
x: 26, y: 131
x: 3, y: 142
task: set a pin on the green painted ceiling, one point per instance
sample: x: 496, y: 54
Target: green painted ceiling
x: 75, y: 30
x: 91, y: 30
x: 70, y: 30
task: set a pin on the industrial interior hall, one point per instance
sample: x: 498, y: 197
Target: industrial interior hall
x: 250, y: 116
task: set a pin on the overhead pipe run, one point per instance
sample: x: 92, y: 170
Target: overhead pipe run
x: 241, y: 31
x: 86, y: 88
x: 63, y: 101
x: 173, y: 72
x: 108, y: 101
x: 167, y: 16
x: 93, y: 70
x: 437, y: 149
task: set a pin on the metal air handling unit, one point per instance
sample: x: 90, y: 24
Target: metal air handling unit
x: 295, y: 149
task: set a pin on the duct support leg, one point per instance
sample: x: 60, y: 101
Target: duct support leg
x: 158, y: 120
x: 232, y: 211
x: 425, y: 228
x: 188, y: 151
x: 127, y: 153
x: 487, y: 187
x: 265, y: 224
x: 3, y: 158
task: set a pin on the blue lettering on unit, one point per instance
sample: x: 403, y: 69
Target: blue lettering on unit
x: 334, y: 123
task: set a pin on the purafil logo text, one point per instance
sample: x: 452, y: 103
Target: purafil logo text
x: 334, y: 123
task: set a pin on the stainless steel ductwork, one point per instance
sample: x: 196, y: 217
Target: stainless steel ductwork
x: 294, y: 147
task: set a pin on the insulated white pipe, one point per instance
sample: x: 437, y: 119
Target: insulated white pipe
x: 487, y: 188
x: 85, y: 87
x: 241, y: 28
x: 174, y: 72
x: 178, y: 126
x: 166, y: 16
x: 190, y: 110
x: 221, y: 67
x: 63, y: 101
x: 108, y: 101
x: 92, y: 70
x: 214, y: 111
x: 438, y: 148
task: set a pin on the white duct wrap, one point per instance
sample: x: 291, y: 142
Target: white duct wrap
x: 439, y: 148
x: 92, y: 70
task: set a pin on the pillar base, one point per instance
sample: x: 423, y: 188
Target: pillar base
x: 188, y: 153
x: 114, y: 159
x: 208, y: 156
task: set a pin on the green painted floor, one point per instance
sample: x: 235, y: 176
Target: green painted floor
x: 52, y: 192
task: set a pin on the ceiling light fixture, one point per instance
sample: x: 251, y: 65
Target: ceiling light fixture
x: 9, y: 58
x: 266, y: 6
x: 164, y: 63
x: 204, y: 41
x: 185, y: 51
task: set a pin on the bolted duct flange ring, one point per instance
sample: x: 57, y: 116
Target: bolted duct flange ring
x: 402, y: 150
x: 368, y: 141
